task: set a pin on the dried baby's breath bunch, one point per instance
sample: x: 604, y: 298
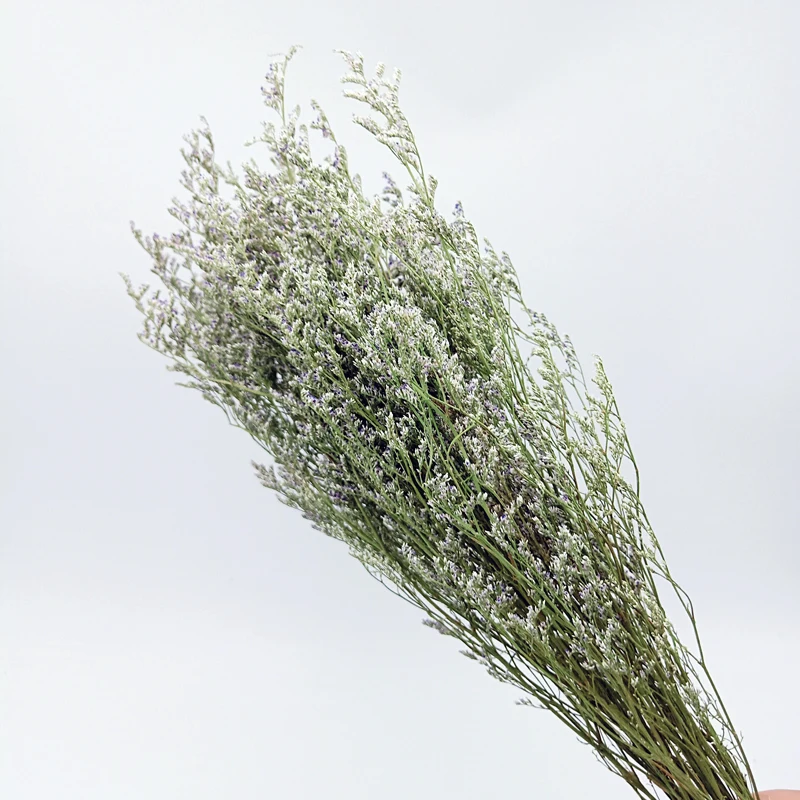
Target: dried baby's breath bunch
x: 370, y: 349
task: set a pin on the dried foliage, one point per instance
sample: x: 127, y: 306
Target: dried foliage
x: 371, y: 350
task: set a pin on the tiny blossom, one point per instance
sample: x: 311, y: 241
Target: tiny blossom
x: 373, y: 353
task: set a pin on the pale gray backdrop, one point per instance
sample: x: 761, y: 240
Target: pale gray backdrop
x: 168, y: 628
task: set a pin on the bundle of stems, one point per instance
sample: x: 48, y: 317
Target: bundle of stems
x: 371, y: 350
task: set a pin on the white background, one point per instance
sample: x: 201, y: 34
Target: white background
x: 168, y: 629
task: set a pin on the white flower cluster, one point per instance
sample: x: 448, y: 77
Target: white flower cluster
x: 370, y: 351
